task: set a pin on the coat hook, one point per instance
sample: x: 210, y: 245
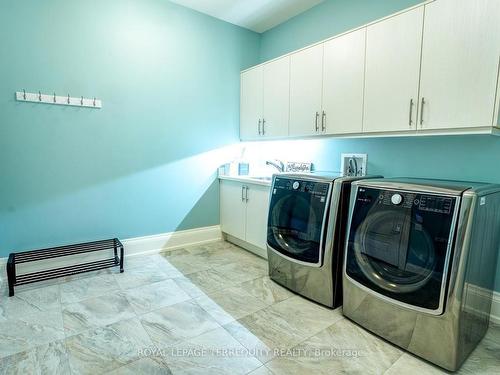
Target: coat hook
x: 24, y: 94
x: 81, y: 101
x: 68, y: 99
x: 54, y: 97
x: 39, y: 96
x: 94, y: 101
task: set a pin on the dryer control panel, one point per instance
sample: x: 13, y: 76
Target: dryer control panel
x: 419, y: 201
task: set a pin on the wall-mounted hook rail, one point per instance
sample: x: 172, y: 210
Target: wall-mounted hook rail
x: 24, y: 96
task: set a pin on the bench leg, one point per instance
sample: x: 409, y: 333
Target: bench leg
x: 121, y: 259
x: 11, y: 274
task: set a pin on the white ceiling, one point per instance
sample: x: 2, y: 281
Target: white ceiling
x: 256, y: 15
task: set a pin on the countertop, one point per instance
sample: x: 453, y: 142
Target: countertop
x: 264, y: 181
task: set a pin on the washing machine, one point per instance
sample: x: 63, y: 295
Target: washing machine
x: 420, y: 264
x: 306, y: 234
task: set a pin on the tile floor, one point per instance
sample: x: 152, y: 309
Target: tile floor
x: 207, y: 309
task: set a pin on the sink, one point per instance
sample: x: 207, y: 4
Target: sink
x: 261, y: 178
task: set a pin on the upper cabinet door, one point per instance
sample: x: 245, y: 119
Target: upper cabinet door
x: 460, y: 57
x: 343, y: 80
x: 393, y: 49
x: 276, y: 98
x: 306, y: 80
x: 251, y: 100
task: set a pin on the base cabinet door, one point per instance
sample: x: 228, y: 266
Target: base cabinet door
x: 251, y: 101
x: 392, y: 72
x: 343, y: 82
x: 256, y: 216
x: 460, y: 61
x: 232, y: 208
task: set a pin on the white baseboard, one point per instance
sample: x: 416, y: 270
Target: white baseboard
x: 168, y: 241
x: 132, y: 247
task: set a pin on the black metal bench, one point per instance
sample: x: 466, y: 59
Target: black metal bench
x: 62, y: 251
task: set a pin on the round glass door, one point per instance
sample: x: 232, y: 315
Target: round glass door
x: 295, y: 223
x: 392, y: 253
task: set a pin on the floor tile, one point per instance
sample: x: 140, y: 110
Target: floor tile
x: 210, y: 280
x: 85, y: 288
x: 169, y: 325
x: 250, y: 341
x: 147, y: 274
x: 88, y: 275
x: 24, y: 333
x: 341, y: 348
x: 96, y: 312
x: 188, y: 263
x: 189, y: 287
x: 485, y: 359
x: 409, y: 364
x: 267, y: 290
x: 107, y: 348
x: 153, y: 296
x: 28, y: 302
x: 230, y: 304
x: 149, y: 366
x: 289, y: 322
x: 263, y: 370
x: 47, y: 359
x: 203, y: 309
x: 137, y: 261
x: 219, y: 354
x: 234, y: 271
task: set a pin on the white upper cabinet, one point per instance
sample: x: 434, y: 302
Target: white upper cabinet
x: 460, y: 57
x: 276, y: 98
x: 251, y: 103
x: 431, y: 69
x: 265, y: 100
x: 306, y: 82
x: 343, y: 80
x: 392, y: 72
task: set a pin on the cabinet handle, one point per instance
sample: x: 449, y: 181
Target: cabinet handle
x: 243, y: 193
x: 422, y: 111
x: 246, y: 193
x: 323, y: 121
x: 259, y: 125
x: 263, y: 126
x: 316, y: 122
x: 410, y: 120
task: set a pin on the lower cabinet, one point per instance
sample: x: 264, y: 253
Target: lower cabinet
x: 243, y: 211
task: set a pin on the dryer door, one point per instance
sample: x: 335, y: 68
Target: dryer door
x: 297, y: 215
x: 399, y: 245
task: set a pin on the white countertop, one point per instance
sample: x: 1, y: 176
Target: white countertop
x: 248, y: 180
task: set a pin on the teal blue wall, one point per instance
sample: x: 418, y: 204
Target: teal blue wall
x: 472, y: 158
x: 143, y: 164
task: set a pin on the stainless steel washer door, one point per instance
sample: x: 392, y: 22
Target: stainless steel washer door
x: 388, y: 258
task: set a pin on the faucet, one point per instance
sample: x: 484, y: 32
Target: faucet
x: 278, y: 164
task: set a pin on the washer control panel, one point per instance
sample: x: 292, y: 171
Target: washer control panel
x: 303, y: 186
